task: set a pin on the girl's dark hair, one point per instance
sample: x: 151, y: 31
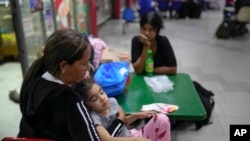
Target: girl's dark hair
x: 83, y: 87
x: 63, y: 45
x: 152, y: 18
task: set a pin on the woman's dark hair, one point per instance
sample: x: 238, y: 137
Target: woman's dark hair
x: 152, y: 18
x: 83, y: 87
x: 63, y: 45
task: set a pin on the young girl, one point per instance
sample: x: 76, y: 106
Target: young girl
x: 105, y: 110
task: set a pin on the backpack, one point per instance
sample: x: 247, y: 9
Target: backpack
x: 226, y: 29
x: 207, y: 99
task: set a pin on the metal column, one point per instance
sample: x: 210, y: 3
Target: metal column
x: 18, y: 27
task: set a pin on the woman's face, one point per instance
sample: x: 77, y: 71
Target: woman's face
x: 149, y: 31
x: 75, y: 72
x: 97, y: 100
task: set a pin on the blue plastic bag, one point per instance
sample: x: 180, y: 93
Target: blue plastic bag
x: 112, y: 77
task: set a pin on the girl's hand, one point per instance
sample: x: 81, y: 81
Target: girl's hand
x: 144, y: 40
x: 143, y: 115
x: 143, y: 139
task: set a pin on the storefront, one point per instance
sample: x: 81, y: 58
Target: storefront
x: 81, y: 17
x: 40, y: 18
x: 8, y: 47
x: 103, y: 10
x: 36, y: 25
x: 48, y: 17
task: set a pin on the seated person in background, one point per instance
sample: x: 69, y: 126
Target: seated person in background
x: 163, y: 7
x: 149, y: 38
x: 146, y: 6
x: 242, y: 28
x: 104, y: 111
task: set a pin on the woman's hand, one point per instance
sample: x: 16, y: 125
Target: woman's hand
x: 144, y: 40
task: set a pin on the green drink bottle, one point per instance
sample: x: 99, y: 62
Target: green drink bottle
x: 149, y: 64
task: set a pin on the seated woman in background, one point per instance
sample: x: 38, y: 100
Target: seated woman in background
x: 149, y: 38
x: 104, y: 111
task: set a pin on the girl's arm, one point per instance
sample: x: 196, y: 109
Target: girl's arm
x: 140, y: 115
x: 169, y: 57
x: 165, y: 70
x: 115, y: 127
x: 139, y: 65
x: 121, y: 114
x: 139, y: 48
x: 105, y: 136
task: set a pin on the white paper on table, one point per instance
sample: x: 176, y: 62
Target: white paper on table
x: 160, y: 107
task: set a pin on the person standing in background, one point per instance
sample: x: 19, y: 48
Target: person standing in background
x: 146, y: 6
x: 63, y: 11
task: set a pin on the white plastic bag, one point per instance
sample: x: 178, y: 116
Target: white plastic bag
x: 159, y: 83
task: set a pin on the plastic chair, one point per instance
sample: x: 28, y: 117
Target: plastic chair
x: 244, y: 14
x: 242, y: 19
x: 24, y: 139
x: 129, y: 15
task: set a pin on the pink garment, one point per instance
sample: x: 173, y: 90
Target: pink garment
x: 98, y: 46
x: 157, y: 129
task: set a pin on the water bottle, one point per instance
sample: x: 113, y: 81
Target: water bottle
x: 149, y: 64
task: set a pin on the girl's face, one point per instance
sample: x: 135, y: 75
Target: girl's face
x: 97, y: 100
x: 75, y: 72
x: 149, y: 31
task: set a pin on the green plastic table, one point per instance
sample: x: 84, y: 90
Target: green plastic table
x: 184, y: 95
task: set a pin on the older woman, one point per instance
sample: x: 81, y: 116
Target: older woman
x: 50, y: 107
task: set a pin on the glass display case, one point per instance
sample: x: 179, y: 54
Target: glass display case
x: 8, y: 45
x: 81, y: 16
x: 103, y: 10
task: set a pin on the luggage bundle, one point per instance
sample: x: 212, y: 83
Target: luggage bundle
x: 191, y: 9
x: 230, y: 25
x: 226, y: 29
x: 112, y: 77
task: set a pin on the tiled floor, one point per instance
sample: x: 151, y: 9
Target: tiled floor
x: 219, y: 65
